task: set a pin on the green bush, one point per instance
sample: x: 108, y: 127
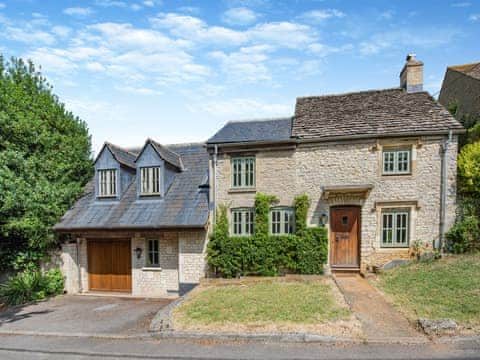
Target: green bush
x: 263, y: 254
x: 464, y: 236
x: 312, y: 251
x: 30, y: 286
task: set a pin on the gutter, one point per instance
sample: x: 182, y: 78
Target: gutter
x: 132, y: 228
x: 443, y: 201
x: 300, y: 140
x: 215, y: 153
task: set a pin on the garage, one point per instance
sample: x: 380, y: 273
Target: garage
x: 109, y: 265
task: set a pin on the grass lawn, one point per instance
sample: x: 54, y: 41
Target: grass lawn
x: 266, y: 302
x: 447, y: 288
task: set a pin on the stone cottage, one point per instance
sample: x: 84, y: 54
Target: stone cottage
x: 379, y: 167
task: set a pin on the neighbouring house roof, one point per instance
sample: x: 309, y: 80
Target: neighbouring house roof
x: 370, y: 113
x: 185, y: 204
x: 123, y: 156
x: 253, y: 130
x: 472, y: 70
x: 166, y: 154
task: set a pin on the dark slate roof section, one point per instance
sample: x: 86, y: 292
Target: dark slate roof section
x: 123, y: 156
x: 167, y: 154
x: 370, y: 113
x: 185, y: 205
x: 253, y: 131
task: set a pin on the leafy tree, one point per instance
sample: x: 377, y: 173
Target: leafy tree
x: 45, y: 160
x: 469, y: 169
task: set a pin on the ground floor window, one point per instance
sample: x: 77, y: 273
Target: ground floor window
x: 282, y: 221
x: 243, y: 221
x: 153, y: 258
x: 395, y: 228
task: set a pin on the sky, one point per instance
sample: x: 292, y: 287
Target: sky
x: 176, y: 71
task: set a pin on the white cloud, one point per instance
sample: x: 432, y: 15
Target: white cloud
x: 52, y: 59
x: 420, y: 38
x: 136, y: 7
x: 246, y: 65
x: 78, y: 11
x: 61, y: 31
x: 241, y: 108
x: 283, y: 34
x: 239, y: 16
x: 322, y: 50
x: 2, y: 6
x: 194, y: 29
x: 111, y: 3
x: 28, y: 35
x: 474, y: 17
x: 321, y: 15
x: 461, y: 4
x: 149, y: 3
x: 138, y: 90
x: 94, y: 66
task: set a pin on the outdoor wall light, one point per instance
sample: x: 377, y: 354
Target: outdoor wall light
x: 138, y: 251
x: 323, y: 219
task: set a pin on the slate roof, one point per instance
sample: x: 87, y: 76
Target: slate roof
x: 167, y: 154
x: 123, y: 156
x: 185, y: 204
x: 472, y: 70
x: 370, y: 113
x: 253, y: 130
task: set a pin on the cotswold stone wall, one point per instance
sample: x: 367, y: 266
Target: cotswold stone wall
x: 182, y: 261
x: 287, y: 173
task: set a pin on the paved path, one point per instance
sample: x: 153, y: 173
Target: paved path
x: 381, y: 322
x: 67, y: 348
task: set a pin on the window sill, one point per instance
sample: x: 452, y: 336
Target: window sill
x: 150, y: 195
x: 400, y: 175
x: 107, y: 196
x: 151, y: 268
x: 242, y: 190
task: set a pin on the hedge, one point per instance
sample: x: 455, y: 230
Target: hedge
x: 267, y: 255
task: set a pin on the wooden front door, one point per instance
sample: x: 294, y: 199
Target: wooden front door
x: 345, y: 236
x: 109, y: 265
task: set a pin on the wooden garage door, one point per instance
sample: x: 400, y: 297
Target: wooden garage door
x: 109, y: 265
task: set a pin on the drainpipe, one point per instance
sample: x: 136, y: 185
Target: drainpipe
x: 80, y: 289
x: 443, y: 202
x: 215, y: 152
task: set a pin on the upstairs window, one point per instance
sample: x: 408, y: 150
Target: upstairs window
x: 243, y: 172
x: 107, y: 182
x: 150, y: 180
x: 396, y: 162
x: 153, y: 253
x: 395, y: 228
x: 243, y: 221
x: 282, y: 221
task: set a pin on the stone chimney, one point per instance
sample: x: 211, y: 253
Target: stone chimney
x: 411, y: 77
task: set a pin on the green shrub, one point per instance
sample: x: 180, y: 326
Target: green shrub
x: 263, y: 254
x: 30, y: 286
x: 464, y: 236
x: 312, y: 251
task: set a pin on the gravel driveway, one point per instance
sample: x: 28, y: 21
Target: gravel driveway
x: 83, y: 314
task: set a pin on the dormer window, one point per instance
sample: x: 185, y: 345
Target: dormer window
x: 150, y: 180
x: 107, y: 182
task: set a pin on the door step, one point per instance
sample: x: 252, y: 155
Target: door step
x: 345, y: 271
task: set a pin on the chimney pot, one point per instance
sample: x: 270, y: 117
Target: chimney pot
x: 411, y: 76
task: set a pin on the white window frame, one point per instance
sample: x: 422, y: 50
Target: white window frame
x: 396, y: 226
x: 152, y: 258
x: 243, y: 172
x: 107, y: 182
x: 394, y: 158
x: 282, y: 221
x: 243, y: 221
x: 150, y: 180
